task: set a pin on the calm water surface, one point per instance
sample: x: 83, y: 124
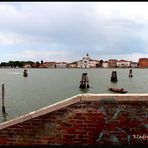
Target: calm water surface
x: 46, y: 86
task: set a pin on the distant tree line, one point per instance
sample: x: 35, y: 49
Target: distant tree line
x: 19, y: 64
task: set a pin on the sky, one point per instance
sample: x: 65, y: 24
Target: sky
x: 66, y: 31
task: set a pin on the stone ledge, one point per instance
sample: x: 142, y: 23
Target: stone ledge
x: 70, y: 101
x: 118, y: 97
x: 40, y: 112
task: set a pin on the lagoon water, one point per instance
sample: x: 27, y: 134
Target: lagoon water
x: 43, y: 87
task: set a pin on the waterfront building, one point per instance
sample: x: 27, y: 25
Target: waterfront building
x: 105, y: 64
x: 42, y: 66
x: 134, y: 64
x: 87, y: 62
x: 48, y: 65
x: 123, y: 64
x: 27, y: 66
x: 72, y: 65
x: 143, y: 63
x: 61, y: 65
x: 94, y: 63
x: 33, y: 66
x: 112, y: 63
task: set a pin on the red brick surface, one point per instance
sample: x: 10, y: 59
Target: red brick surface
x: 143, y: 62
x: 82, y: 124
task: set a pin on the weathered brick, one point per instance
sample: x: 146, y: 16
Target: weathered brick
x: 75, y: 125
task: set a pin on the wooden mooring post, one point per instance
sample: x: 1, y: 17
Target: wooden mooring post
x: 130, y: 73
x: 84, y: 83
x: 114, y: 76
x: 3, y: 99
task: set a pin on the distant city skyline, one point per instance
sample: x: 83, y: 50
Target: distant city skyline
x: 66, y: 31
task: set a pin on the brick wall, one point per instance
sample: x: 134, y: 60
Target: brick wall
x: 86, y: 122
x: 143, y: 63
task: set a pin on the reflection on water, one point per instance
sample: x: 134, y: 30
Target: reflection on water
x: 47, y: 86
x: 84, y: 90
x: 4, y: 117
x: 14, y: 73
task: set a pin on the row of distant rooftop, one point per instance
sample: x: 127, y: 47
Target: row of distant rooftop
x: 85, y: 62
x: 112, y: 63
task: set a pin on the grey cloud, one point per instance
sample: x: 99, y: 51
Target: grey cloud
x: 75, y: 28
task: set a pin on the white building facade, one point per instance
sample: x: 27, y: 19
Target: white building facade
x: 61, y: 65
x: 105, y: 64
x: 123, y: 64
x: 134, y: 64
x: 87, y: 62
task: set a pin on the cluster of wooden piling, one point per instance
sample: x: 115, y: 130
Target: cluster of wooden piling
x: 3, y: 99
x: 25, y: 74
x: 130, y: 73
x: 84, y: 83
x: 114, y: 75
x: 4, y: 113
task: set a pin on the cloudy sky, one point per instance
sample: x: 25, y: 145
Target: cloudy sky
x: 66, y: 31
